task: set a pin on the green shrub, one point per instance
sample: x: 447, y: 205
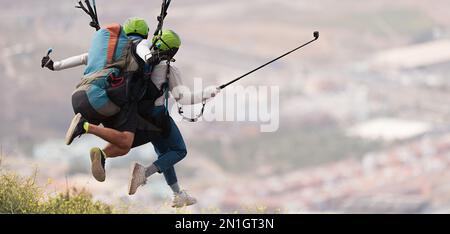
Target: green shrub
x: 21, y: 195
x: 75, y: 202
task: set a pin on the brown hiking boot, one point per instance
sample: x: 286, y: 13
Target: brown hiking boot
x: 137, y: 178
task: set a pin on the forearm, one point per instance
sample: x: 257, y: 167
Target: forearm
x: 184, y: 96
x: 71, y: 62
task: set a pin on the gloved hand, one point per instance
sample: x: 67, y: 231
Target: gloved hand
x: 211, y: 92
x: 47, y: 62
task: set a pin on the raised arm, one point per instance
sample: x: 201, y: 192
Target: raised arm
x: 71, y: 62
x: 67, y: 63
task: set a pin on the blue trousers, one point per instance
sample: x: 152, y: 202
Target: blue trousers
x: 170, y: 150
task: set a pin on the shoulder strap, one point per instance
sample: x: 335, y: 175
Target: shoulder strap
x: 92, y: 12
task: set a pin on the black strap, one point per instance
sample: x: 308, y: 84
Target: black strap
x: 92, y: 12
x: 95, y: 12
x: 142, y: 80
x: 162, y: 16
x: 158, y: 32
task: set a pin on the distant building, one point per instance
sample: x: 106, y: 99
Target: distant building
x: 413, y: 57
x: 389, y: 129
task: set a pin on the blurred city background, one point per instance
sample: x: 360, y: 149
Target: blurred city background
x: 364, y: 112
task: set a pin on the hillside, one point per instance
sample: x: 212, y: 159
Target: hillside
x: 331, y: 93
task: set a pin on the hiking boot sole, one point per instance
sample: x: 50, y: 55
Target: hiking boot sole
x: 72, y: 128
x: 97, y: 170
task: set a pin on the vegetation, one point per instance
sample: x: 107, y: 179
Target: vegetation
x: 21, y: 195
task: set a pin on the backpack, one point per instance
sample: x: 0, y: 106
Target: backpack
x: 112, y: 64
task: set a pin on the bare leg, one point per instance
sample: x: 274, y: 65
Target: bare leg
x: 122, y: 140
x: 113, y: 151
x: 98, y: 158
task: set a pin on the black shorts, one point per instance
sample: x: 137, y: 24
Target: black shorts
x: 144, y: 137
x: 125, y: 121
x: 145, y: 132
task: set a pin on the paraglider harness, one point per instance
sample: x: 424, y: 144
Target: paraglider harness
x: 128, y: 85
x: 91, y: 10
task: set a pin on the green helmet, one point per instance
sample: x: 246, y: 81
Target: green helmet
x: 137, y: 26
x: 169, y: 40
